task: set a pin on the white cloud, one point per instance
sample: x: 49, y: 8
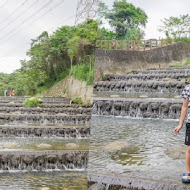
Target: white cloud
x: 14, y: 46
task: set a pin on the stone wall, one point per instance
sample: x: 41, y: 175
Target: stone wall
x: 62, y: 160
x: 70, y: 88
x: 122, y: 62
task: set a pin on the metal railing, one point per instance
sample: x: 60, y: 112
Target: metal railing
x: 132, y: 45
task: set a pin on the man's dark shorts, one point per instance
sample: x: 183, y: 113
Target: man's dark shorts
x: 187, y: 135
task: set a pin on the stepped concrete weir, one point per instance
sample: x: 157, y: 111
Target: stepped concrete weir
x: 42, y: 161
x: 137, y: 153
x: 139, y: 86
x: 141, y: 108
x: 69, y: 132
x: 53, y: 105
x: 114, y: 183
x: 44, y: 119
x: 49, y: 140
x: 145, y: 77
x: 53, y: 111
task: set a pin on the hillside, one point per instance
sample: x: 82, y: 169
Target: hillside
x: 70, y: 88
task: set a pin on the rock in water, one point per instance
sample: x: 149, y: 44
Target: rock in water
x: 117, y: 145
x: 176, y: 152
x: 166, y: 79
x: 72, y: 145
x: 97, y: 186
x: 9, y: 145
x: 44, y: 146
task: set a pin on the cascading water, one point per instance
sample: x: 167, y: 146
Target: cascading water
x: 134, y: 147
x: 52, y: 138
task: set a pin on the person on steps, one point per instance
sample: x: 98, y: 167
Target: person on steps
x: 5, y: 93
x: 185, y: 110
x: 10, y: 92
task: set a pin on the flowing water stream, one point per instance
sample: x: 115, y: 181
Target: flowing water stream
x: 152, y: 152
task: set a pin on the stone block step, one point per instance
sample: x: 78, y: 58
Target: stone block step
x: 43, y: 160
x: 69, y: 132
x: 145, y: 77
x: 139, y: 108
x: 96, y: 181
x: 138, y: 86
x: 168, y: 72
x: 20, y: 105
x: 44, y: 119
x: 51, y: 111
x: 8, y: 100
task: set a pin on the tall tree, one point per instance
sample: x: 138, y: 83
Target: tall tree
x: 176, y: 27
x: 124, y: 17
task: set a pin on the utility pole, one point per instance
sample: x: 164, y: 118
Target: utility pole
x: 86, y: 9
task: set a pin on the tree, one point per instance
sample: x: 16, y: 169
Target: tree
x: 176, y: 27
x: 124, y: 17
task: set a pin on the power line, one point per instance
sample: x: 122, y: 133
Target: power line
x: 49, y: 2
x: 4, y: 4
x: 86, y: 9
x: 5, y: 55
x: 15, y: 10
x: 28, y: 8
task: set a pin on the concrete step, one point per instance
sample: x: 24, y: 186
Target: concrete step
x: 28, y: 131
x: 51, y: 111
x: 139, y: 86
x: 44, y: 119
x: 43, y: 160
x: 145, y: 77
x: 121, y: 182
x: 20, y: 105
x: 139, y: 108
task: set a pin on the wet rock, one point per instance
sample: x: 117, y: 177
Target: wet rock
x: 176, y: 152
x: 97, y: 186
x: 72, y: 145
x: 116, y: 146
x: 45, y: 146
x: 166, y: 79
x: 28, y: 159
x: 9, y: 145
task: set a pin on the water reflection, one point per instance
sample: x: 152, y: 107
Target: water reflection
x: 37, y: 180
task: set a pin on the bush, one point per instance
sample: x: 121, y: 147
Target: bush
x: 77, y: 101
x: 83, y: 72
x: 186, y: 40
x: 32, y: 102
x: 187, y: 62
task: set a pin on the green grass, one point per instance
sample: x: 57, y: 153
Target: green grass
x: 187, y: 62
x: 77, y: 101
x: 32, y: 102
x: 49, y: 84
x: 83, y: 72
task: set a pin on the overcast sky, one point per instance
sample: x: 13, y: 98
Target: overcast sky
x: 23, y: 20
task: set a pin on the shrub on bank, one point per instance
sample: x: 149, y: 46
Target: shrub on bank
x: 32, y: 102
x: 77, y: 101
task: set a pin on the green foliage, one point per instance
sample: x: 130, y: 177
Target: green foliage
x: 32, y: 102
x: 184, y: 39
x: 77, y: 101
x: 84, y: 71
x: 51, y: 57
x: 187, y: 62
x: 124, y: 17
x: 176, y: 27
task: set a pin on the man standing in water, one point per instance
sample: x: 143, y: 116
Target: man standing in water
x: 185, y: 111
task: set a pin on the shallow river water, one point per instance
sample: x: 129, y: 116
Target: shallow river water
x: 36, y: 180
x: 154, y: 153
